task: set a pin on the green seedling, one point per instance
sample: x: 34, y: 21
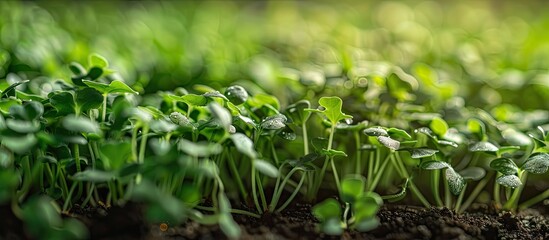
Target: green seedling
x: 359, y: 212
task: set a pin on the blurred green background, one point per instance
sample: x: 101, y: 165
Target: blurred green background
x: 488, y: 52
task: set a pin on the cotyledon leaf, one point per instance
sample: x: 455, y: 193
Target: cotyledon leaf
x: 511, y: 181
x: 537, y: 163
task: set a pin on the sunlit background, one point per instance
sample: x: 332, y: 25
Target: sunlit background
x: 490, y: 52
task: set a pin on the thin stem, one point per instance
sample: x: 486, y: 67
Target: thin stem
x: 358, y: 152
x: 305, y: 138
x: 476, y: 191
x: 447, y: 194
x: 370, y: 169
x: 104, y: 108
x: 261, y: 192
x: 254, y: 191
x: 435, y: 183
x: 544, y: 195
x: 376, y: 166
x: 413, y: 186
x: 237, y: 177
x: 68, y: 200
x: 513, y: 201
x: 380, y: 172
x: 460, y: 199
x: 273, y: 152
x: 278, y: 193
x: 497, y: 193
x: 291, y: 198
x: 336, y: 176
x: 134, y: 142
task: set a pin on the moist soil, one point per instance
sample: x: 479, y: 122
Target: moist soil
x: 297, y: 222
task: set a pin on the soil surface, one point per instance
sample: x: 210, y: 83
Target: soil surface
x: 397, y: 222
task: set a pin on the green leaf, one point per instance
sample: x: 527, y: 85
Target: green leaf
x: 274, y: 122
x: 222, y: 115
x: 229, y: 227
x: 261, y: 99
x: 180, y: 119
x: 80, y: 124
x: 473, y: 173
x: 10, y: 91
x: 352, y: 188
x: 332, y: 109
x: 244, y: 145
x: 447, y: 143
x: 375, y: 132
x: 332, y: 226
x: 236, y: 94
x: 63, y: 102
x: 22, y: 126
x: 422, y: 152
x: 367, y: 206
x: 6, y: 159
x: 515, y: 137
x: 266, y: 168
x: 398, y: 133
x: 190, y: 194
x: 425, y: 131
x: 93, y: 74
x: 477, y: 127
x: 115, y: 86
x: 96, y: 60
x: 356, y: 127
x: 511, y: 181
x: 296, y: 112
x: 95, y: 176
x: 367, y: 224
x: 389, y: 143
x: 327, y: 209
x: 215, y: 94
x: 199, y: 149
x: 192, y: 99
x: 434, y: 165
x: 504, y: 165
x: 88, y: 98
x: 19, y: 144
x: 7, y: 104
x: 483, y: 147
x: 77, y: 69
x: 115, y: 154
x: 455, y: 181
x: 537, y: 163
x: 439, y: 126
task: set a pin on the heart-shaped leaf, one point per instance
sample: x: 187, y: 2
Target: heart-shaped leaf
x: 352, y: 188
x: 115, y: 86
x: 537, y: 163
x: 332, y: 109
x: 327, y: 209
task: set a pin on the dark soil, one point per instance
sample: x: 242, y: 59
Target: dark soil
x: 397, y: 222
